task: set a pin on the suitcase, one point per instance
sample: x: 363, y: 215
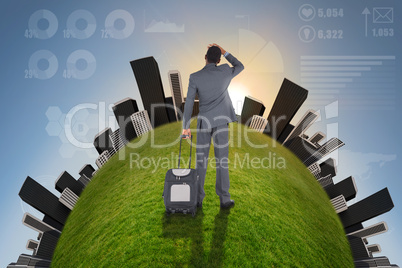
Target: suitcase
x: 181, y: 188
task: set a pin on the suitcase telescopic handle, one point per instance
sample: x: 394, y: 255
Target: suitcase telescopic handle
x: 191, y: 146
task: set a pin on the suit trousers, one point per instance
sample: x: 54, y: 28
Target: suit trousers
x: 220, y: 137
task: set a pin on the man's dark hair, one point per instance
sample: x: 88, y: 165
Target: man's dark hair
x: 213, y: 54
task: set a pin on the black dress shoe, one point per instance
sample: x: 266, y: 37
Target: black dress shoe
x: 199, y: 205
x: 229, y: 204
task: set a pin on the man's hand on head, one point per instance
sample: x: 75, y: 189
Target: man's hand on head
x: 222, y: 50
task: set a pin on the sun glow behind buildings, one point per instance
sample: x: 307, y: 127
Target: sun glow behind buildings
x: 237, y: 92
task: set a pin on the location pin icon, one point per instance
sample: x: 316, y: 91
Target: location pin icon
x: 306, y: 32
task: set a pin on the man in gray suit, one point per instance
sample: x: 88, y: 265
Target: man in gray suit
x: 215, y: 113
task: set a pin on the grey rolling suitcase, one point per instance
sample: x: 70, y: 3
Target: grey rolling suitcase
x: 181, y: 187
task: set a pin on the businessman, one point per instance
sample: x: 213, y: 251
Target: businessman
x: 215, y: 113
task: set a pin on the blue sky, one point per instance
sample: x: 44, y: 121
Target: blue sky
x: 274, y: 39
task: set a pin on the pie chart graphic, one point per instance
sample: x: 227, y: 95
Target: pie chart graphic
x: 264, y: 67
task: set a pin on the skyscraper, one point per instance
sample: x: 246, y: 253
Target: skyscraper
x: 258, y: 123
x: 118, y: 141
x: 28, y: 261
x: 43, y: 200
x: 372, y: 230
x: 324, y: 150
x: 374, y: 262
x: 65, y: 180
x: 368, y: 208
x: 251, y: 107
x: 122, y: 111
x: 87, y: 170
x: 176, y: 90
x: 84, y: 180
x: 173, y: 113
x: 36, y: 224
x: 285, y: 133
x: 317, y: 137
x: 102, y: 141
x: 346, y: 187
x: 32, y: 245
x: 141, y: 122
x: 302, y: 148
x: 287, y: 103
x: 328, y: 167
x: 102, y: 158
x: 68, y: 198
x: 146, y: 72
x: 305, y: 122
x: 47, y: 244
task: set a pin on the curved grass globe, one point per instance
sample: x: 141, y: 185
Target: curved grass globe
x: 282, y: 216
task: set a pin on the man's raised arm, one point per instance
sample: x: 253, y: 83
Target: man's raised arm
x: 237, y: 65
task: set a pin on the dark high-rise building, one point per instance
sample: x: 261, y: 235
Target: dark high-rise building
x: 146, y: 72
x: 32, y: 245
x: 372, y: 249
x: 55, y: 224
x: 374, y: 262
x: 36, y: 224
x: 251, y: 107
x: 122, y: 111
x: 324, y: 150
x: 288, y: 101
x: 47, y: 244
x: 358, y: 247
x: 87, y: 170
x: 328, y: 167
x: 286, y: 132
x: 84, y: 180
x: 317, y: 137
x: 196, y: 107
x: 372, y: 230
x: 305, y: 122
x: 102, y: 141
x: 43, y: 200
x: 173, y: 112
x: 65, y: 180
x: 346, y: 187
x: 25, y: 260
x: 302, y: 148
x: 177, y: 91
x: 366, y: 209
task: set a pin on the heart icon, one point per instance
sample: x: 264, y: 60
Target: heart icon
x: 307, y: 12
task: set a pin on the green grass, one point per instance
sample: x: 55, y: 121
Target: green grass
x: 282, y: 217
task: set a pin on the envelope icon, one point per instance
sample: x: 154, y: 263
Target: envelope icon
x: 383, y: 15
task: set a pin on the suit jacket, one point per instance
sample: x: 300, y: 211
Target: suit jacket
x: 211, y: 84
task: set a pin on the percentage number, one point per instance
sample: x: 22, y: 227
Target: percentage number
x: 330, y: 13
x: 67, y: 33
x: 31, y: 33
x: 106, y: 34
x: 30, y: 74
x: 68, y: 74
